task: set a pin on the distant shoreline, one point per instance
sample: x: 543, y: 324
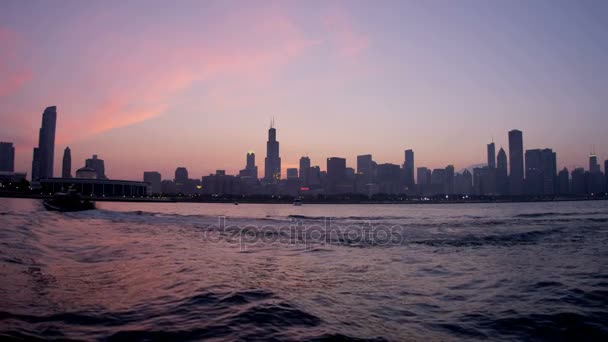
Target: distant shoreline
x: 289, y: 200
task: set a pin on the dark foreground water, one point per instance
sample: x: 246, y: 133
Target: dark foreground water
x: 279, y: 272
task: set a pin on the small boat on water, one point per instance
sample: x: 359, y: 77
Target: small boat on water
x: 68, y: 201
x: 297, y: 201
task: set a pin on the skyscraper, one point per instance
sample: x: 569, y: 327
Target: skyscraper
x: 336, y: 173
x: 491, y: 155
x: 594, y: 167
x: 7, y: 157
x: 366, y: 168
x: 36, y: 165
x: 305, y: 171
x: 423, y: 177
x: 98, y: 165
x: 449, y: 180
x: 181, y: 176
x: 606, y: 174
x: 388, y: 178
x: 66, y: 170
x: 154, y: 179
x: 44, y: 154
x: 563, y: 182
x: 502, y: 177
x: 516, y: 162
x: 250, y: 170
x: 534, y: 172
x: 541, y: 170
x: 408, y: 169
x: 272, y: 163
x: 292, y: 173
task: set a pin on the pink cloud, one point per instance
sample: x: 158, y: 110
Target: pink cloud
x: 13, y: 73
x: 140, y: 79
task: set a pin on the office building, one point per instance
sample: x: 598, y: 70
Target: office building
x: 516, y: 163
x: 336, y: 175
x: 578, y: 185
x: 292, y: 173
x: 98, y: 165
x: 502, y: 176
x: 251, y: 170
x: 153, y: 178
x: 272, y: 163
x: 408, y: 169
x: 389, y: 178
x: 66, y: 169
x: 305, y: 172
x: 7, y: 157
x: 423, y: 180
x: 366, y: 168
x: 491, y: 155
x: 563, y: 182
x: 181, y: 176
x: 44, y: 154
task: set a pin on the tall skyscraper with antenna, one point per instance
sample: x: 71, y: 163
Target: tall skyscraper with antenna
x: 272, y: 163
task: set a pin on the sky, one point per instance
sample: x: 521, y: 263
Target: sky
x: 153, y: 85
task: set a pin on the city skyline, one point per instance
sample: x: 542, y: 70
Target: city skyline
x: 517, y: 171
x: 331, y: 74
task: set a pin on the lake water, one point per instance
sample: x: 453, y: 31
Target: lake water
x: 165, y: 271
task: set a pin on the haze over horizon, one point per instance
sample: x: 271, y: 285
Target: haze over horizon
x: 153, y: 85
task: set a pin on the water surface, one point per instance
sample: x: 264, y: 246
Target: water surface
x: 278, y: 272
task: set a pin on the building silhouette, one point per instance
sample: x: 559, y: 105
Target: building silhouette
x: 408, y: 169
x: 423, y: 177
x: 463, y: 183
x: 292, y: 173
x: 86, y: 172
x: 66, y: 169
x: 181, y: 176
x: 540, y: 172
x: 98, y: 165
x: 272, y: 163
x: 437, y: 182
x: 389, y: 178
x: 491, y: 155
x: 578, y: 185
x: 516, y: 163
x: 336, y: 174
x: 449, y: 180
x: 481, y: 178
x: 221, y: 184
x: 44, y: 154
x: 594, y: 167
x: 563, y: 182
x: 305, y: 172
x: 251, y: 170
x: 7, y: 157
x: 153, y: 178
x: 606, y: 175
x: 595, y: 178
x: 502, y: 177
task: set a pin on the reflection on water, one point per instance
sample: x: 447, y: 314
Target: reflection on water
x: 194, y: 271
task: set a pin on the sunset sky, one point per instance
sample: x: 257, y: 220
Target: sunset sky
x: 152, y: 85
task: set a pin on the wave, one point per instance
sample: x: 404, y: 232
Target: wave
x: 549, y: 214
